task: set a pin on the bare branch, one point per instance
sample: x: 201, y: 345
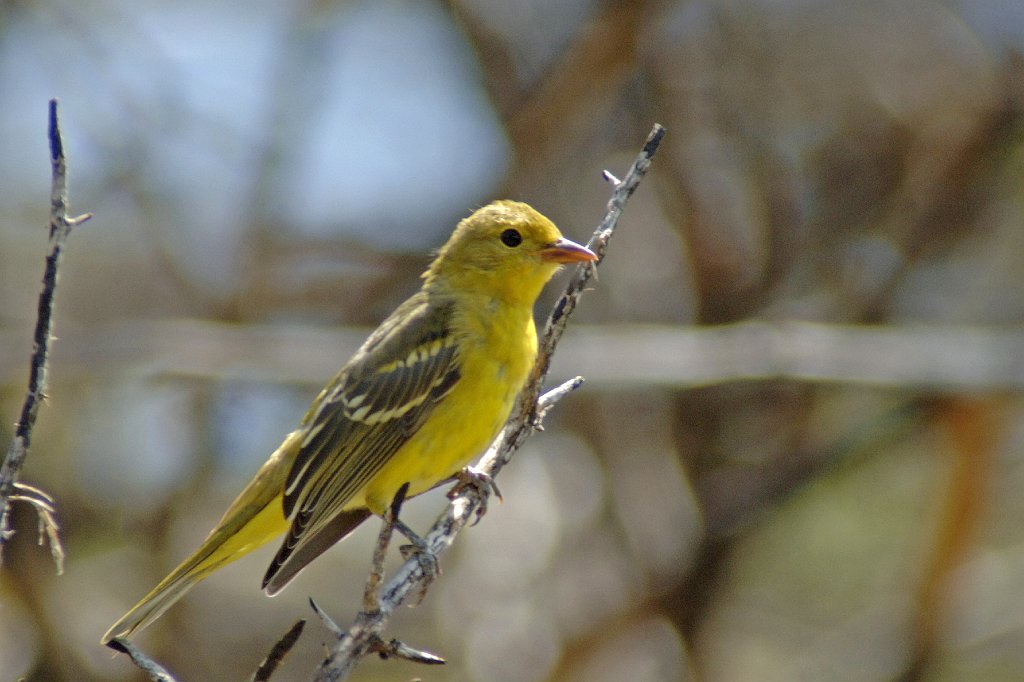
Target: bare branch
x: 156, y: 672
x: 280, y: 650
x: 325, y: 618
x: 371, y: 595
x: 395, y: 649
x: 364, y: 636
x: 46, y: 513
x: 10, y: 471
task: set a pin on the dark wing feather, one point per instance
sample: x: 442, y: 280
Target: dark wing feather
x: 369, y: 411
x: 336, y: 529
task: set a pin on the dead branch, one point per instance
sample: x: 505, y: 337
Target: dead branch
x: 10, y: 489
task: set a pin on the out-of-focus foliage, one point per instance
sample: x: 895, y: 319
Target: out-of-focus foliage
x: 266, y: 176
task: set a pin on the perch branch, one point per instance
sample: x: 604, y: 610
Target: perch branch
x: 10, y: 489
x: 364, y: 636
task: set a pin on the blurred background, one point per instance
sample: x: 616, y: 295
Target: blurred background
x: 799, y: 452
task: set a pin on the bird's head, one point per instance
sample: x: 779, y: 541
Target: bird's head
x: 505, y: 249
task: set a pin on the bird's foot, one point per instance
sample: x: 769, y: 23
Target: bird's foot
x: 471, y: 477
x: 428, y: 561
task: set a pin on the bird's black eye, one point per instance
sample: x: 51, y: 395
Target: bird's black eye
x: 511, y: 238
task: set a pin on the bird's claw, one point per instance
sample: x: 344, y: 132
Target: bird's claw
x: 429, y: 564
x: 418, y: 547
x: 484, y: 483
x: 428, y: 561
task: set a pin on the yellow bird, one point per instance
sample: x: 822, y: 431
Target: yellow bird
x: 422, y: 397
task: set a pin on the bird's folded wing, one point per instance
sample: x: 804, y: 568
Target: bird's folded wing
x: 361, y: 419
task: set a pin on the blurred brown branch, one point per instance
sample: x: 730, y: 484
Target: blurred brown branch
x: 974, y: 432
x: 10, y: 488
x: 933, y: 356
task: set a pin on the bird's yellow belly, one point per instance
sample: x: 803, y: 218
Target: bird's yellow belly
x: 451, y: 438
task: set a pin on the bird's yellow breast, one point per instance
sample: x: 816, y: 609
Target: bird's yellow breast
x: 497, y: 349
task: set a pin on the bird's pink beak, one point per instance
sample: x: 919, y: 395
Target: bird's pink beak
x: 567, y: 251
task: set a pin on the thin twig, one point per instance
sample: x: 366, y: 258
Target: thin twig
x: 10, y: 471
x: 395, y: 649
x: 280, y: 650
x: 370, y: 594
x: 156, y: 672
x: 46, y: 513
x: 365, y: 633
x: 325, y: 619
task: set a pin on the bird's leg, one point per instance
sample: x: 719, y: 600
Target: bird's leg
x: 418, y: 547
x: 426, y: 557
x: 391, y: 515
x: 482, y: 482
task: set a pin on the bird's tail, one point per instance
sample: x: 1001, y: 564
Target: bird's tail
x: 254, y: 518
x: 171, y: 589
x: 227, y: 542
